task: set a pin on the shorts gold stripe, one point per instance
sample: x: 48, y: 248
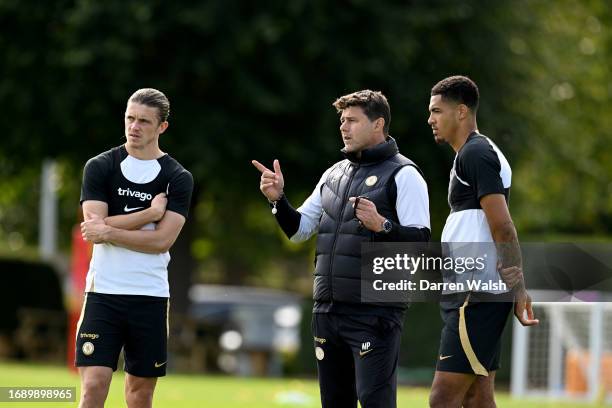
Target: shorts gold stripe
x: 168, y: 318
x: 477, y: 367
x: 81, y: 317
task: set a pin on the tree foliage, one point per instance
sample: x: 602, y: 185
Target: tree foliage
x: 247, y: 80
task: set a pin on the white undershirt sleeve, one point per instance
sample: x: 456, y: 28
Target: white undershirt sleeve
x: 311, y: 211
x: 412, y: 204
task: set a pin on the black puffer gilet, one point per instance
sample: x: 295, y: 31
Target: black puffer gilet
x: 338, y: 251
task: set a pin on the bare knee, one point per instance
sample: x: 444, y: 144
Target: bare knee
x: 475, y: 400
x: 481, y: 394
x: 139, y: 398
x: 93, y: 393
x: 448, y: 389
x: 439, y: 397
x: 139, y: 391
x: 94, y: 387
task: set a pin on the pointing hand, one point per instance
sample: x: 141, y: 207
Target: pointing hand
x: 272, y: 182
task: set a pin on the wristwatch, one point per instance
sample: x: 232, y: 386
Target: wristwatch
x: 387, y: 225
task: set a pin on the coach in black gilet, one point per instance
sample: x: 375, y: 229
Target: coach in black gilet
x: 374, y: 194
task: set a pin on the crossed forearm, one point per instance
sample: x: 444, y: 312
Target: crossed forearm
x: 134, y: 221
x: 148, y: 241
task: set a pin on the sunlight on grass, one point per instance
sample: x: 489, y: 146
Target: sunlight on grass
x: 195, y: 391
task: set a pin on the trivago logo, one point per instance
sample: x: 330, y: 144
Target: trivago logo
x: 137, y: 194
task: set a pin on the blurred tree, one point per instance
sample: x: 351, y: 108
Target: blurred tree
x: 565, y: 173
x: 247, y: 81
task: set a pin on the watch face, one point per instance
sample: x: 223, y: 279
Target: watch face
x: 387, y: 226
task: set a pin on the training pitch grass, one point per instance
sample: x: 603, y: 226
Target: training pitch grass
x: 199, y: 391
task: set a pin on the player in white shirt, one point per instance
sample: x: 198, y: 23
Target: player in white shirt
x: 135, y: 201
x: 478, y: 196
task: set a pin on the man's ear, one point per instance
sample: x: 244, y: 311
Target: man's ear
x: 379, y: 124
x: 462, y: 111
x: 163, y: 126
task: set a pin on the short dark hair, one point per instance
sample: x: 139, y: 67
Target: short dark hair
x: 155, y: 99
x: 460, y: 89
x: 373, y: 103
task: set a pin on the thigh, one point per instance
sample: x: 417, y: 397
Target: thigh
x: 101, y: 330
x: 140, y: 384
x: 335, y: 366
x: 147, y: 339
x: 375, y: 344
x: 448, y: 389
x: 96, y: 377
x: 481, y: 393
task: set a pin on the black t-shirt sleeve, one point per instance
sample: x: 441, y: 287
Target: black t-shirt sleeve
x: 179, y: 193
x: 95, y: 176
x: 401, y: 233
x: 287, y: 217
x: 479, y: 166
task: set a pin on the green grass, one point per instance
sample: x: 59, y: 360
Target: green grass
x: 185, y: 391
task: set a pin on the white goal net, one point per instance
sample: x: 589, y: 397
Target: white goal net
x: 567, y: 356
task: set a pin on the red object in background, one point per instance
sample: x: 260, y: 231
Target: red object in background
x: 79, y: 265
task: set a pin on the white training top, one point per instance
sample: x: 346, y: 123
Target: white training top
x: 479, y: 169
x: 127, y: 185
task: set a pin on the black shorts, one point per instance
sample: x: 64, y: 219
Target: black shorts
x: 471, y: 337
x: 138, y: 324
x: 357, y: 358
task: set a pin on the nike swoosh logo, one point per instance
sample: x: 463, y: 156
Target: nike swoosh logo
x: 444, y: 357
x: 363, y: 353
x: 127, y: 209
x: 159, y: 365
